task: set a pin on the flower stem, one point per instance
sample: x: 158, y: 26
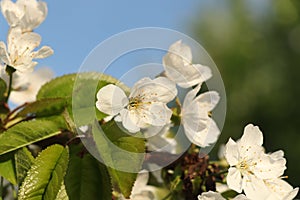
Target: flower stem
x: 10, y: 70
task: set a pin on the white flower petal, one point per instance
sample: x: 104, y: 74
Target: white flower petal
x: 118, y: 118
x: 180, y: 49
x: 292, y: 194
x: 204, y: 72
x: 166, y: 90
x: 29, y: 41
x: 231, y: 152
x: 220, y: 187
x: 210, y: 195
x: 186, y: 75
x: 179, y: 68
x: 156, y: 114
x: 158, y: 90
x: 111, y: 99
x: 267, y: 168
x: 280, y: 189
x: 208, y: 100
x: 204, y: 134
x: 35, y: 13
x: 11, y: 12
x: 240, y: 197
x: 234, y: 179
x: 43, y: 52
x: 252, y: 136
x: 25, y: 68
x: 255, y: 188
x: 3, y: 53
x: 190, y: 96
x: 129, y: 121
x: 277, y: 155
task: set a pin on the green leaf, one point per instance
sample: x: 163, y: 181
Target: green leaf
x: 63, y: 86
x: 45, y: 177
x: 26, y: 133
x: 62, y: 193
x: 23, y: 160
x: 229, y: 194
x: 3, y: 106
x: 80, y: 91
x: 3, y: 88
x: 86, y: 178
x: 7, y: 168
x: 123, y: 153
x: 60, y: 87
x: 44, y: 108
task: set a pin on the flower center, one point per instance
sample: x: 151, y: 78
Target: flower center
x: 137, y: 102
x: 134, y: 102
x: 243, y: 165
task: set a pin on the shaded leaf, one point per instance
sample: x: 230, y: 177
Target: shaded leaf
x: 91, y: 177
x: 44, y: 108
x: 45, y: 177
x: 3, y: 106
x: 7, y: 168
x: 3, y: 88
x: 123, y: 153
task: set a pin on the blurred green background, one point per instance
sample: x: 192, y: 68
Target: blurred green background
x: 256, y: 46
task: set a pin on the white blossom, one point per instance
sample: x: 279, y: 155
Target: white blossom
x: 20, y: 53
x: 26, y: 14
x: 199, y: 127
x: 145, y: 106
x: 27, y: 85
x: 250, y: 165
x: 179, y: 68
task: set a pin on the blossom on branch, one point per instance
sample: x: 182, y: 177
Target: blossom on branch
x: 20, y: 53
x: 198, y: 126
x: 26, y: 14
x: 179, y: 68
x: 145, y: 106
x: 255, y: 172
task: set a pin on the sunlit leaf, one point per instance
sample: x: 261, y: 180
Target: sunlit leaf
x: 45, y: 177
x: 80, y: 91
x: 62, y: 193
x: 26, y: 133
x: 23, y: 160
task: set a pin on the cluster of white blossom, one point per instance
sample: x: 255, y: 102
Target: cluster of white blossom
x: 146, y: 105
x: 252, y: 171
x: 19, y: 53
x: 258, y: 174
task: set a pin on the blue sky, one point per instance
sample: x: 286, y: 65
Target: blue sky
x: 74, y: 28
